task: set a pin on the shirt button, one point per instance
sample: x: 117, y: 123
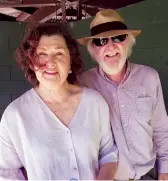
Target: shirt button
x: 125, y: 124
x: 75, y: 169
x: 122, y: 105
x: 73, y: 179
x: 71, y: 149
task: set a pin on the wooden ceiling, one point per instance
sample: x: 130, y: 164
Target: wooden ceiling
x: 55, y: 10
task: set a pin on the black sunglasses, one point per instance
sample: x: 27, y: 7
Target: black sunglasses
x: 104, y: 41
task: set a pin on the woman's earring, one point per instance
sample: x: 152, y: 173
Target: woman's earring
x: 70, y: 71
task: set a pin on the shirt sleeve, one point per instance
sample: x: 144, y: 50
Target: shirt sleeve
x: 160, y: 127
x: 10, y: 163
x: 108, y: 150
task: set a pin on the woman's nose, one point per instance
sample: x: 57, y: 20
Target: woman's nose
x: 51, y: 61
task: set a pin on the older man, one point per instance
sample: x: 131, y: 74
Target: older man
x: 138, y: 116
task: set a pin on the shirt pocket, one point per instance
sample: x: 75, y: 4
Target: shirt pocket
x: 143, y: 106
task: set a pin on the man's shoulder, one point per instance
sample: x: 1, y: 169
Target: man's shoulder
x: 143, y: 69
x: 89, y: 78
x: 90, y: 72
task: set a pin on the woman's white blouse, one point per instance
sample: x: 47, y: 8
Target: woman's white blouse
x: 33, y: 137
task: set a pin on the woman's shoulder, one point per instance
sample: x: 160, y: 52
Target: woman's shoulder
x: 18, y: 103
x: 94, y: 95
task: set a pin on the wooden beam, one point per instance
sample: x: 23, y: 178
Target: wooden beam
x: 90, y: 11
x: 13, y: 1
x: 94, y: 6
x: 43, y: 14
x: 22, y: 16
x: 79, y: 10
x: 84, y: 1
x: 63, y: 6
x: 10, y: 12
x: 3, y: 5
x: 40, y: 1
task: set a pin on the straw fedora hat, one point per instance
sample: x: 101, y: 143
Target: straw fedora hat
x: 107, y: 23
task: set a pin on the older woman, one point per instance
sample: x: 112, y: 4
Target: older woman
x: 57, y: 130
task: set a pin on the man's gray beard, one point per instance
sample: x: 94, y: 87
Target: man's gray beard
x: 108, y: 67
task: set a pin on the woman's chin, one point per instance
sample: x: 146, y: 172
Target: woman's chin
x: 51, y: 85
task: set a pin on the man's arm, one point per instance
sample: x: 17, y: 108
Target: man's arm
x: 160, y: 135
x: 108, y: 153
x: 107, y: 171
x: 163, y: 176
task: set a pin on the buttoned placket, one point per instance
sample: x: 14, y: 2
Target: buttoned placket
x: 121, y: 107
x: 125, y: 126
x: 74, y: 172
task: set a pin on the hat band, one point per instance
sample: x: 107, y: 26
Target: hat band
x: 115, y: 25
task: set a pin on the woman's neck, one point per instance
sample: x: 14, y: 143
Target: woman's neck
x: 57, y: 94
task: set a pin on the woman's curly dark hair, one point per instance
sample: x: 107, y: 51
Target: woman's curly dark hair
x: 25, y: 54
